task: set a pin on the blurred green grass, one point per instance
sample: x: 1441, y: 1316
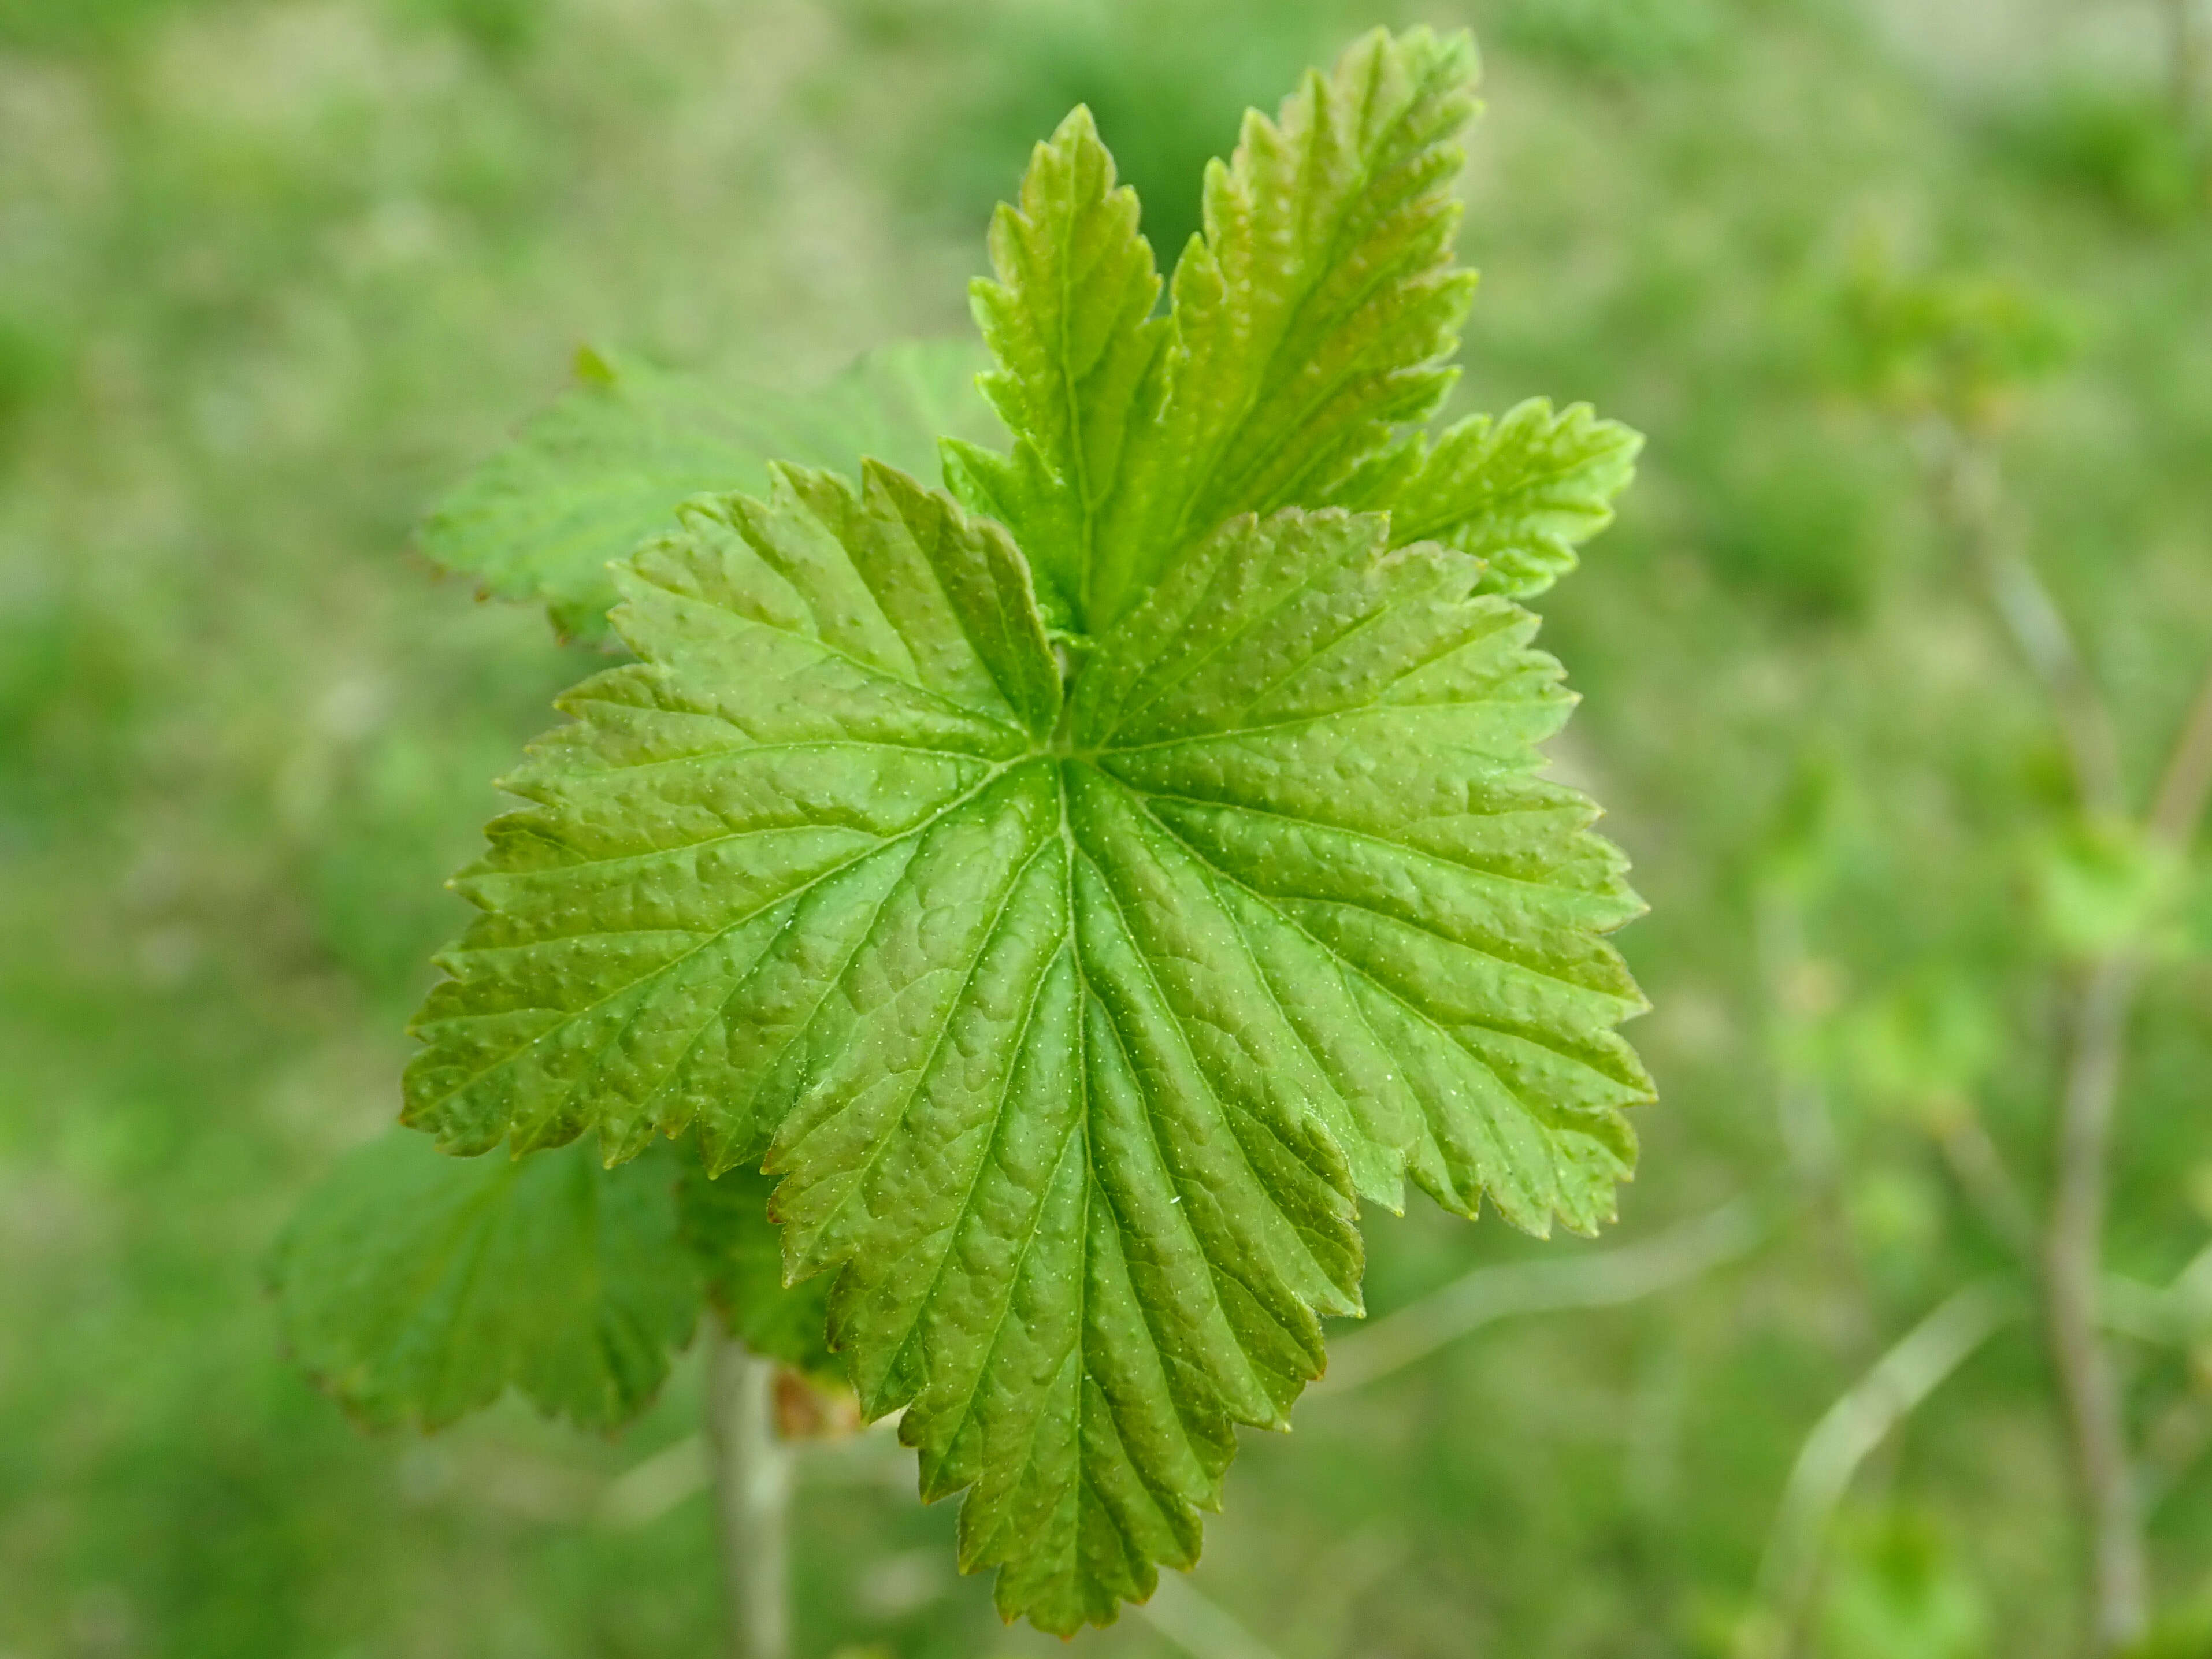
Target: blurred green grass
x: 272, y: 272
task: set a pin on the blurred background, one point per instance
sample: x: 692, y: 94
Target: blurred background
x: 1906, y: 292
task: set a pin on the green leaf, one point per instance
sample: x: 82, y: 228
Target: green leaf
x: 419, y: 1287
x: 1521, y: 492
x: 702, y: 851
x: 1069, y: 321
x: 1073, y: 1032
x: 606, y: 467
x: 1312, y: 317
x: 725, y: 1223
x: 2106, y: 888
x: 1078, y: 908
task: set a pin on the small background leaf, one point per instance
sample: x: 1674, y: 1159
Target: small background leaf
x: 419, y: 1287
x: 724, y: 1221
x: 606, y: 467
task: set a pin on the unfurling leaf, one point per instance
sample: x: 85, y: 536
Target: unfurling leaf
x: 1080, y: 895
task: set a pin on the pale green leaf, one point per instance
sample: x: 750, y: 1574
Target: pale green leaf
x: 1073, y: 1034
x: 1068, y: 319
x: 419, y: 1287
x: 1312, y: 318
x: 604, y: 467
x: 1521, y: 492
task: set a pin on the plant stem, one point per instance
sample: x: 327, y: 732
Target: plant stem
x: 2074, y: 1244
x: 2073, y: 1270
x: 753, y: 1491
x: 1847, y: 1434
x: 2186, y: 784
x: 2185, y: 55
x: 1988, y: 1185
x: 1969, y: 495
x: 1603, y: 1279
x: 1970, y: 499
x: 1199, y: 1626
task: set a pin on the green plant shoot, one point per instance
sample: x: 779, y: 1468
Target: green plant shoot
x: 1080, y: 886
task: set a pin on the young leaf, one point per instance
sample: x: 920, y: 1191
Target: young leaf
x: 1521, y: 492
x: 1312, y: 317
x: 606, y: 467
x: 1072, y: 1034
x: 1080, y: 908
x: 1069, y: 321
x: 419, y: 1287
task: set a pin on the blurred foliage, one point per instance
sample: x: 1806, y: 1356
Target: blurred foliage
x: 2117, y: 147
x: 1897, y: 1592
x: 1626, y: 37
x: 273, y: 273
x: 1962, y: 345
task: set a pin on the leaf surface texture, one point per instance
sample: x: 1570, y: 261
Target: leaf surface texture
x: 1077, y: 891
x: 1072, y: 1030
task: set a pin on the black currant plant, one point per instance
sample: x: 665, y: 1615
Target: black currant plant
x: 1078, y: 887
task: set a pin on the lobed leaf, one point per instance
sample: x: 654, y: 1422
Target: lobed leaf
x: 607, y: 465
x: 1073, y: 1031
x: 1079, y: 895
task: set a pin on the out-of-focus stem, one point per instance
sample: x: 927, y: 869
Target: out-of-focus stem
x: 2186, y: 49
x: 2186, y: 784
x: 1847, y: 1434
x: 2073, y: 1273
x: 1970, y: 497
x: 1603, y: 1279
x: 2073, y: 1252
x: 753, y: 1491
x: 1988, y: 1184
x: 1199, y: 1626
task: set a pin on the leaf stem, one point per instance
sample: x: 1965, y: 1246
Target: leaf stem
x: 752, y: 1491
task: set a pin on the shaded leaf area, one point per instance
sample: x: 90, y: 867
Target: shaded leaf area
x: 606, y: 467
x: 724, y: 1222
x: 419, y: 1287
x: 1074, y: 1035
